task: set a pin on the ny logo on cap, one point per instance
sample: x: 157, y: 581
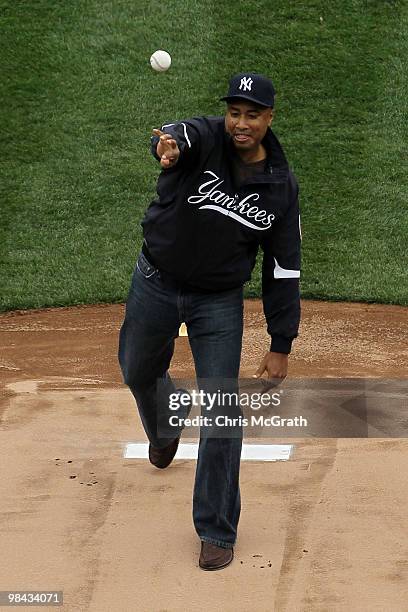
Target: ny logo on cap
x: 246, y: 84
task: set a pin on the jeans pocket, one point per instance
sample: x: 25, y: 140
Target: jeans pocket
x: 144, y: 267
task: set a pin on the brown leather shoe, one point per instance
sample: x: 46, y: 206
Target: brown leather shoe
x: 162, y: 457
x: 214, y: 557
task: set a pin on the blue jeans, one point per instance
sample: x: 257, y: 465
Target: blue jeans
x: 154, y: 311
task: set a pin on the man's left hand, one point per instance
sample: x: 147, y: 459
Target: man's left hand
x: 275, y: 365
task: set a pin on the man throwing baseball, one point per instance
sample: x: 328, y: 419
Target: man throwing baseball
x: 225, y: 191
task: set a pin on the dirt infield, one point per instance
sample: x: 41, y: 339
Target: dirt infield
x: 336, y: 339
x: 324, y: 531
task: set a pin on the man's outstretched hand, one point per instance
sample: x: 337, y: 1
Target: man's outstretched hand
x: 276, y: 367
x: 167, y: 149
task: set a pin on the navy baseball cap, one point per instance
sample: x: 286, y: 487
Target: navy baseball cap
x: 251, y: 86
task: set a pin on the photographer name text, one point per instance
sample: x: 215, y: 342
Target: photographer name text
x: 225, y: 421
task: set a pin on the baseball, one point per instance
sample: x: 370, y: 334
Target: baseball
x: 160, y: 61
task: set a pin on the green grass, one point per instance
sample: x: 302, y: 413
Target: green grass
x: 79, y: 100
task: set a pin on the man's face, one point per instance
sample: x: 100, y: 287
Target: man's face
x: 247, y: 124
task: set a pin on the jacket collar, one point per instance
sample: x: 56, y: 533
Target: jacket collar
x: 277, y: 167
x: 276, y: 157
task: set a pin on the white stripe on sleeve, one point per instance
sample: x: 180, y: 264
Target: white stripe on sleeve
x: 185, y: 134
x: 185, y: 131
x: 282, y: 273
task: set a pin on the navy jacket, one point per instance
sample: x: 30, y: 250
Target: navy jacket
x: 206, y: 234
